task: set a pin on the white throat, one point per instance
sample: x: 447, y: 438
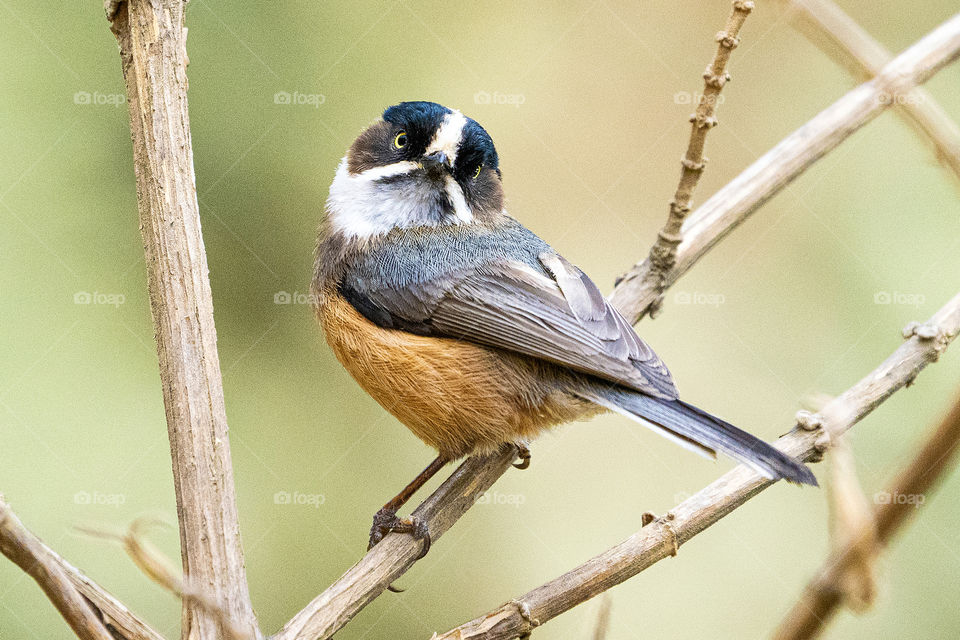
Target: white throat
x: 365, y: 204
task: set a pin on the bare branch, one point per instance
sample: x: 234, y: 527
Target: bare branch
x: 639, y: 290
x: 28, y: 553
x: 821, y: 598
x: 393, y: 555
x: 663, y: 537
x: 663, y: 253
x: 152, y: 40
x: 837, y: 34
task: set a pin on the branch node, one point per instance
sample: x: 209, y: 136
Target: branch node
x: 745, y: 6
x: 691, y: 165
x: 809, y: 421
x: 524, y: 609
x: 728, y: 41
x: 714, y: 80
x: 647, y: 517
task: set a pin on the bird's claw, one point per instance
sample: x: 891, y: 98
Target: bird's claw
x: 386, y: 520
x: 523, y: 454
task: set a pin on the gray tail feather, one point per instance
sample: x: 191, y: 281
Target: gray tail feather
x: 702, y: 432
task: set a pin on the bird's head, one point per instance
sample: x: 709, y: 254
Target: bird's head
x: 421, y: 164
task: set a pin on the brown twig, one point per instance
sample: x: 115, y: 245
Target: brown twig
x: 662, y: 537
x: 837, y: 34
x: 638, y: 291
x: 821, y: 598
x: 28, y: 553
x: 152, y: 40
x: 663, y: 253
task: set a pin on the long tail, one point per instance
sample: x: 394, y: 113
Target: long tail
x: 698, y: 430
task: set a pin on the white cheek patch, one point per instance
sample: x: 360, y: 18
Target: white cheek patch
x: 387, y: 171
x: 460, y: 208
x: 447, y: 138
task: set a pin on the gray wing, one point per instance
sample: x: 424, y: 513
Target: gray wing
x: 556, y: 314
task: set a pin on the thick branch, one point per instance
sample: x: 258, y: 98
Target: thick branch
x: 27, y: 552
x: 639, y: 290
x: 837, y: 34
x: 821, y: 598
x: 664, y: 536
x: 663, y: 253
x: 152, y: 40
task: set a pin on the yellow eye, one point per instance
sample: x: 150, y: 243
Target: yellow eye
x: 401, y: 140
x: 476, y: 174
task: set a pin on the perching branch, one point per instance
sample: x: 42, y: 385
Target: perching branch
x: 634, y: 296
x: 821, y: 598
x: 837, y: 34
x: 28, y: 553
x: 638, y: 291
x: 663, y: 253
x: 152, y: 40
x: 663, y: 537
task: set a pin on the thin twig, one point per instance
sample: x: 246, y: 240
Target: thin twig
x: 28, y: 553
x: 152, y: 39
x: 663, y: 253
x: 821, y: 598
x: 663, y: 537
x: 639, y: 290
x: 837, y: 34
x: 370, y: 576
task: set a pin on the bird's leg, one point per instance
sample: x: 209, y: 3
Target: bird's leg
x: 386, y: 520
x: 523, y: 454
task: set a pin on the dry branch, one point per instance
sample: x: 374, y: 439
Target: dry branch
x: 663, y: 253
x: 28, y: 553
x: 837, y: 34
x: 152, y: 40
x: 663, y: 537
x: 822, y: 597
x: 639, y: 290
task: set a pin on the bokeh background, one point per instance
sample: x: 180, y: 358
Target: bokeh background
x: 588, y: 105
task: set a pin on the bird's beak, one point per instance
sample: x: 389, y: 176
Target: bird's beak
x: 436, y: 161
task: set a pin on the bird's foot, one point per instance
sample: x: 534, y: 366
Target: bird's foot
x: 523, y: 454
x: 386, y: 520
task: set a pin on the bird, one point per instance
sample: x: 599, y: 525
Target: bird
x: 468, y: 327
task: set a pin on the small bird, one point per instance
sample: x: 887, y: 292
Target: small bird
x: 469, y: 328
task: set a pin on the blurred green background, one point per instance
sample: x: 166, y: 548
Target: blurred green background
x: 587, y: 108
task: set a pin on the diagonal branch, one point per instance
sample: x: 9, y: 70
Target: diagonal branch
x: 663, y: 538
x: 821, y: 598
x: 663, y: 253
x: 152, y: 40
x: 634, y: 296
x: 639, y: 290
x: 837, y: 34
x: 27, y: 552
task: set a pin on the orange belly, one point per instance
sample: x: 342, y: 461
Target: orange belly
x: 458, y: 397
